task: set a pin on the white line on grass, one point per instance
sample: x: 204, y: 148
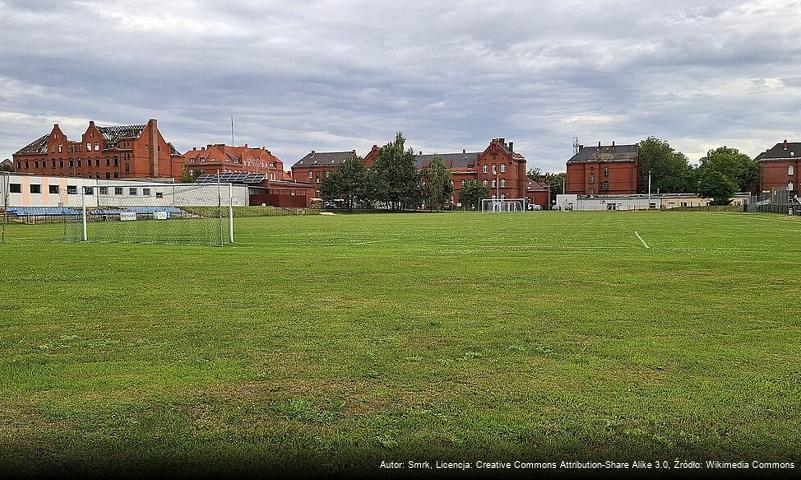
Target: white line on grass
x: 375, y: 241
x: 643, y: 241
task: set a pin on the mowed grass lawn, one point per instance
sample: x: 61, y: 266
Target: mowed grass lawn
x: 334, y: 342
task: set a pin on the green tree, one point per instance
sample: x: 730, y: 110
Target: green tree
x: 472, y: 193
x: 190, y: 175
x: 717, y: 185
x: 670, y: 170
x: 395, y: 179
x: 346, y: 182
x: 437, y: 184
x: 732, y: 163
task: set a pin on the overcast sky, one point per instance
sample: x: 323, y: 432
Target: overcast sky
x: 338, y: 75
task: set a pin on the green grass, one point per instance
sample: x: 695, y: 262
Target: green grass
x: 332, y: 342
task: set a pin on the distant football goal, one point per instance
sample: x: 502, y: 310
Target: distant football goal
x: 503, y: 205
x: 132, y: 212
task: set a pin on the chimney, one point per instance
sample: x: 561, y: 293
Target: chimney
x: 785, y: 144
x: 613, y: 143
x: 312, y: 153
x: 581, y: 147
x: 91, y: 123
x: 208, y: 146
x: 154, y: 147
x: 511, y: 146
x: 599, y: 144
x: 246, y: 145
x: 464, y: 150
x: 502, y: 140
x: 420, y: 152
x: 194, y: 148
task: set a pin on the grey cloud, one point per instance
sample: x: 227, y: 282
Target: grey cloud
x: 338, y: 75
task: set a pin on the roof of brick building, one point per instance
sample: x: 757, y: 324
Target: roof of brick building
x: 451, y: 160
x: 323, y: 159
x: 781, y: 150
x: 37, y: 146
x: 607, y: 153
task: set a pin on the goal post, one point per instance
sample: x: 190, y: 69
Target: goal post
x: 136, y: 212
x: 503, y: 205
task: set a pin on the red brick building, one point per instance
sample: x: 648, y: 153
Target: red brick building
x: 129, y: 151
x: 499, y: 167
x: 316, y: 166
x: 779, y: 167
x: 225, y: 158
x: 284, y: 193
x: 604, y: 170
x: 538, y: 193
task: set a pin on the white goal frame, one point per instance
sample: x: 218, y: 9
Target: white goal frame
x: 504, y: 205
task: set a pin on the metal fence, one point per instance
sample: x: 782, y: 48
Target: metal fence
x: 777, y: 201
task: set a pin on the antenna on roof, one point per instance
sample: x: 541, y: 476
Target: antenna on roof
x: 233, y: 144
x: 575, y: 145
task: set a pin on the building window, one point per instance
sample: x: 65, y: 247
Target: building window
x: 15, y: 188
x: 146, y: 192
x: 606, y: 171
x: 485, y: 181
x: 592, y: 178
x: 97, y: 146
x: 159, y: 195
x: 605, y: 185
x: 791, y: 170
x: 127, y: 168
x: 103, y: 191
x: 79, y: 164
x: 88, y: 190
x: 494, y: 169
x: 116, y: 175
x: 116, y: 162
x: 494, y: 183
x: 19, y: 165
x: 61, y: 163
x: 790, y: 186
x: 132, y: 191
x: 88, y: 146
x: 53, y: 189
x: 485, y: 171
x: 503, y: 183
x: 53, y: 164
x: 503, y: 168
x: 310, y: 174
x: 36, y: 188
x: 463, y: 183
x: 72, y: 189
x: 97, y: 162
x: 60, y: 147
x: 117, y: 190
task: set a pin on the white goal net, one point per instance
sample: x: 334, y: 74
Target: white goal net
x: 502, y: 205
x: 200, y: 214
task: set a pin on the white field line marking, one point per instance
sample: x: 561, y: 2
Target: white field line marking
x: 643, y: 241
x: 375, y: 241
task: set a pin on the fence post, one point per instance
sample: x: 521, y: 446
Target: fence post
x: 231, y: 211
x: 83, y: 213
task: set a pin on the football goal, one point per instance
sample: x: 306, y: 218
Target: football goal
x: 135, y: 212
x: 500, y: 205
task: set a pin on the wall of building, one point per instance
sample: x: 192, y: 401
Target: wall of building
x: 67, y: 193
x: 587, y: 178
x: 780, y: 175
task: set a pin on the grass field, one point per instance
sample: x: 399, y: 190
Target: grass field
x: 335, y: 342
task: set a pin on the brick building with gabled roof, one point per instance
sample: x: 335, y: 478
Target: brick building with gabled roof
x: 316, y: 166
x: 604, y: 170
x: 225, y: 158
x: 779, y: 167
x: 127, y: 151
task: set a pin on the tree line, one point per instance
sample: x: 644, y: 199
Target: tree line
x: 394, y: 182
x: 718, y: 175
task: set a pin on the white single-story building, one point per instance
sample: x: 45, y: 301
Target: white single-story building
x: 34, y: 191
